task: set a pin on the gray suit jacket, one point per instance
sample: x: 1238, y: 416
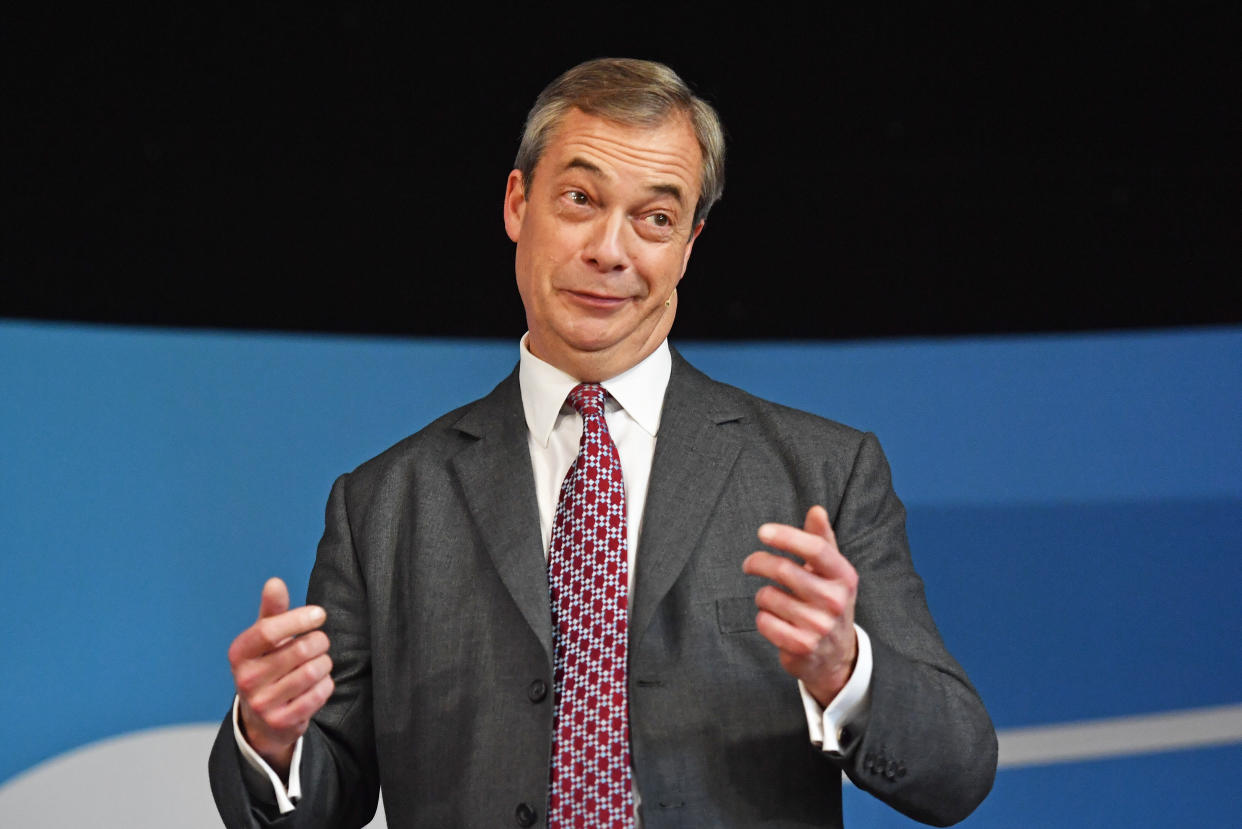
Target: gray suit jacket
x: 432, y: 571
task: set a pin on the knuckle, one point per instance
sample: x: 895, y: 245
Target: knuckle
x: 325, y: 689
x: 266, y: 632
x: 290, y: 718
x: 787, y: 570
x: 282, y: 719
x: 761, y: 621
x: 850, y: 578
x: 261, y: 705
x: 312, y: 645
x: 296, y: 714
x: 301, y: 711
x: 311, y: 672
x: 303, y: 649
x: 820, y: 625
x: 246, y: 679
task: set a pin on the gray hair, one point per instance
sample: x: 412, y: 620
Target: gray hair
x: 631, y: 92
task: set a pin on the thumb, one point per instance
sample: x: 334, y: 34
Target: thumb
x: 275, y: 598
x: 817, y: 522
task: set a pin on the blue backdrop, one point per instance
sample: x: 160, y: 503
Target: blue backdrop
x: 1075, y: 509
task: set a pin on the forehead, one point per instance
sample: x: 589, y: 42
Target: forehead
x: 666, y: 154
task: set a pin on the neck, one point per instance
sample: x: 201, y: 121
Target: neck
x: 606, y: 363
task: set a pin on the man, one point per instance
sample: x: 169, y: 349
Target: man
x: 507, y: 643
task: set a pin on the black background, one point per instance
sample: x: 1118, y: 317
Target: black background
x: 917, y: 169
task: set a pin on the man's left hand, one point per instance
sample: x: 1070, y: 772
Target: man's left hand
x: 809, y: 613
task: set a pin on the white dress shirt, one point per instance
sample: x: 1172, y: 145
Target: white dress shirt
x: 632, y: 411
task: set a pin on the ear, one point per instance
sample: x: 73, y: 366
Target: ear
x: 694, y: 234
x: 515, y: 204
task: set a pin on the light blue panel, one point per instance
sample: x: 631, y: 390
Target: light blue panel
x: 153, y: 480
x: 1091, y: 417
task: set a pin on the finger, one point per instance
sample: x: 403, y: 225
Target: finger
x: 787, y: 638
x: 817, y: 524
x: 804, y: 615
x: 819, y: 550
x: 275, y: 598
x: 288, y: 721
x: 253, y: 675
x: 292, y: 685
x: 269, y: 633
x: 829, y: 594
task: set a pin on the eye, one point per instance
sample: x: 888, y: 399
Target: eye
x: 660, y: 220
x: 578, y: 197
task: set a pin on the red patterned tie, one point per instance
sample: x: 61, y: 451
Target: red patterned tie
x: 587, y: 575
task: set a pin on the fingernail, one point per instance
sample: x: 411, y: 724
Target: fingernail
x: 765, y: 532
x: 317, y: 614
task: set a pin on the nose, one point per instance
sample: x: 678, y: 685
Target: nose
x: 605, y: 249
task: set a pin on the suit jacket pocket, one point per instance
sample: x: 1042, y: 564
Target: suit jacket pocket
x: 736, y: 615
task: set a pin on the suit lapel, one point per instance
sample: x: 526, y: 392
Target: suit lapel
x: 693, y: 458
x: 498, y: 485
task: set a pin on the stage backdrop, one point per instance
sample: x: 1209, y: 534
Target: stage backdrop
x: 1075, y: 509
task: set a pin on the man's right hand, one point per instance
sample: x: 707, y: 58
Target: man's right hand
x: 282, y: 671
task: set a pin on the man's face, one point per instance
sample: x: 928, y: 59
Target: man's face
x: 603, y: 237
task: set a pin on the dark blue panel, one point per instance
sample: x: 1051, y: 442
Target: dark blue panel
x: 1070, y: 611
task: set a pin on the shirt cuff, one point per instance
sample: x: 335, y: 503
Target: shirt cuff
x: 849, y: 709
x: 285, y: 796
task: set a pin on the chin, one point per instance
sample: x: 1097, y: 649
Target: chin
x: 592, y: 334
x: 591, y: 345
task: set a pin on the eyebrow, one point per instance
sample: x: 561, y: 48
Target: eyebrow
x: 662, y: 189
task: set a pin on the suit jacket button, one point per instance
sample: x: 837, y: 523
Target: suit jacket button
x: 537, y: 691
x: 525, y: 815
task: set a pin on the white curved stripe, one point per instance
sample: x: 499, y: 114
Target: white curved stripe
x: 143, y: 780
x: 1120, y: 736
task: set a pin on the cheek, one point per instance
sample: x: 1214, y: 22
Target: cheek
x: 662, y: 273
x: 527, y: 268
x: 546, y: 252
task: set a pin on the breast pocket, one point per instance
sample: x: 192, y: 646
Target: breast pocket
x: 736, y: 615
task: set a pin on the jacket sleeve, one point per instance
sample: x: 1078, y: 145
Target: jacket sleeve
x: 340, y: 781
x: 929, y: 747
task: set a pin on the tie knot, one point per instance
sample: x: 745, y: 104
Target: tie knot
x: 587, y: 399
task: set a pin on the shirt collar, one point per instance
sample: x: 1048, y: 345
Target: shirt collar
x: 638, y: 390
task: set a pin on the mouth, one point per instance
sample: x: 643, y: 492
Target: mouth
x: 591, y: 299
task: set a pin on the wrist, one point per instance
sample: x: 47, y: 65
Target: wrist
x: 278, y: 756
x: 828, y: 684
